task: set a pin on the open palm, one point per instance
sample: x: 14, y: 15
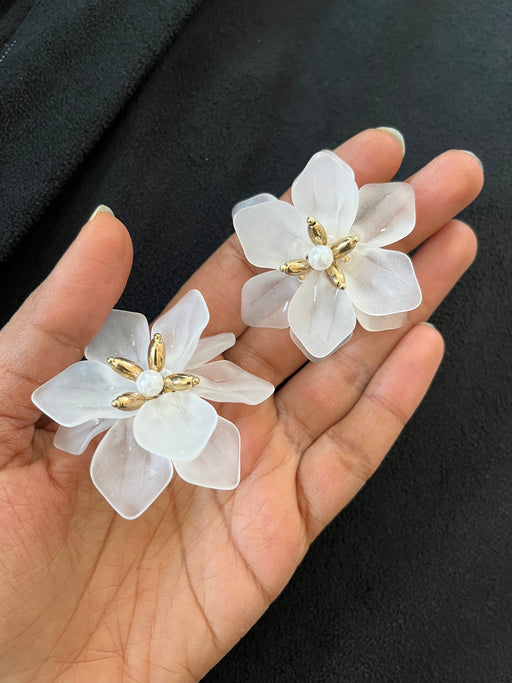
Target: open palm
x: 88, y: 595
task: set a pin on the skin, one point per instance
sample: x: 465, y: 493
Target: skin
x: 87, y: 595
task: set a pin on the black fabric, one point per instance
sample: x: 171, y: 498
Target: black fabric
x: 412, y: 582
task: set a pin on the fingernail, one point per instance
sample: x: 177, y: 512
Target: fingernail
x: 102, y: 208
x: 466, y: 151
x: 428, y: 324
x: 396, y: 134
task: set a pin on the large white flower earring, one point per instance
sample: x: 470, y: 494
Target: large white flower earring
x: 325, y: 252
x: 148, y: 390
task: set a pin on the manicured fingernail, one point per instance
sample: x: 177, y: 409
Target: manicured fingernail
x: 396, y: 134
x: 428, y: 325
x: 102, y: 208
x: 466, y: 151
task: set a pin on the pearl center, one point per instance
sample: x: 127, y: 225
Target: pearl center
x: 320, y: 257
x: 149, y: 383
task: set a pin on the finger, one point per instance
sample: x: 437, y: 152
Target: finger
x: 373, y: 154
x: 51, y: 329
x: 442, y: 189
x: 322, y: 393
x: 339, y: 463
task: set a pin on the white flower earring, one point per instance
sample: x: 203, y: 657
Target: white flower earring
x: 325, y: 252
x: 149, y: 391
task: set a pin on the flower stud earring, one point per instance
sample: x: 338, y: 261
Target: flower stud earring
x: 151, y: 393
x: 325, y: 251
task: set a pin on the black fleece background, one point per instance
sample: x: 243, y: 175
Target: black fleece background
x: 171, y: 111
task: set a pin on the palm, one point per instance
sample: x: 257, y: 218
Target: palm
x: 169, y: 593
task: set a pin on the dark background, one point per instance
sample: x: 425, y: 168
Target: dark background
x: 170, y: 111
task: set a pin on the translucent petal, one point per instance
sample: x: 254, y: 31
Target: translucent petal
x: 252, y: 201
x: 225, y: 382
x: 129, y: 477
x: 177, y: 425
x: 123, y: 334
x: 181, y: 328
x: 321, y: 316
x: 327, y: 191
x: 218, y: 466
x: 76, y: 439
x: 316, y: 359
x: 266, y: 299
x: 381, y: 281
x: 377, y: 323
x: 82, y: 392
x: 271, y: 233
x: 386, y: 213
x: 211, y: 347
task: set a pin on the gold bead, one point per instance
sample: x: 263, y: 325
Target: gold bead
x: 129, y: 401
x: 336, y: 277
x: 316, y: 232
x: 344, y: 246
x: 179, y: 382
x: 295, y: 267
x: 125, y: 368
x: 156, y: 353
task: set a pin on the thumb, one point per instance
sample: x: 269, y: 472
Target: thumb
x: 58, y: 320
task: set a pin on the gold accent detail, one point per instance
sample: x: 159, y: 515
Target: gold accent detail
x: 316, y: 232
x: 156, y: 353
x: 179, y: 382
x: 336, y: 277
x: 297, y: 266
x: 125, y: 368
x: 344, y: 246
x: 129, y: 401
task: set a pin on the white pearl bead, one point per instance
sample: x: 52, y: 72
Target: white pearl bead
x: 320, y: 257
x: 149, y: 383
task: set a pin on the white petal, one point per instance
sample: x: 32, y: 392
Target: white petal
x: 176, y: 425
x: 381, y: 281
x: 181, y: 328
x: 321, y: 316
x: 82, y: 392
x: 129, y: 477
x: 266, y: 298
x: 377, y: 323
x: 387, y: 213
x: 123, y: 334
x: 252, y: 201
x: 327, y: 191
x: 218, y: 466
x: 271, y: 233
x: 225, y: 382
x: 316, y: 359
x: 211, y: 347
x: 76, y: 439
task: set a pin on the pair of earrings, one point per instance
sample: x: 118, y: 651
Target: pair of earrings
x: 325, y: 269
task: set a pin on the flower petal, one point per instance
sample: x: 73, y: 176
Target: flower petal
x: 177, y: 425
x: 252, y: 201
x: 129, y: 477
x: 316, y: 359
x: 381, y: 281
x: 82, y: 392
x: 321, y: 316
x: 76, y: 439
x: 327, y: 191
x: 211, y: 347
x: 271, y: 233
x: 225, y: 382
x: 181, y: 328
x: 218, y: 466
x: 266, y: 298
x: 386, y: 214
x: 377, y: 323
x: 123, y: 334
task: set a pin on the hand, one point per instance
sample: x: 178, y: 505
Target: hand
x: 86, y: 595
